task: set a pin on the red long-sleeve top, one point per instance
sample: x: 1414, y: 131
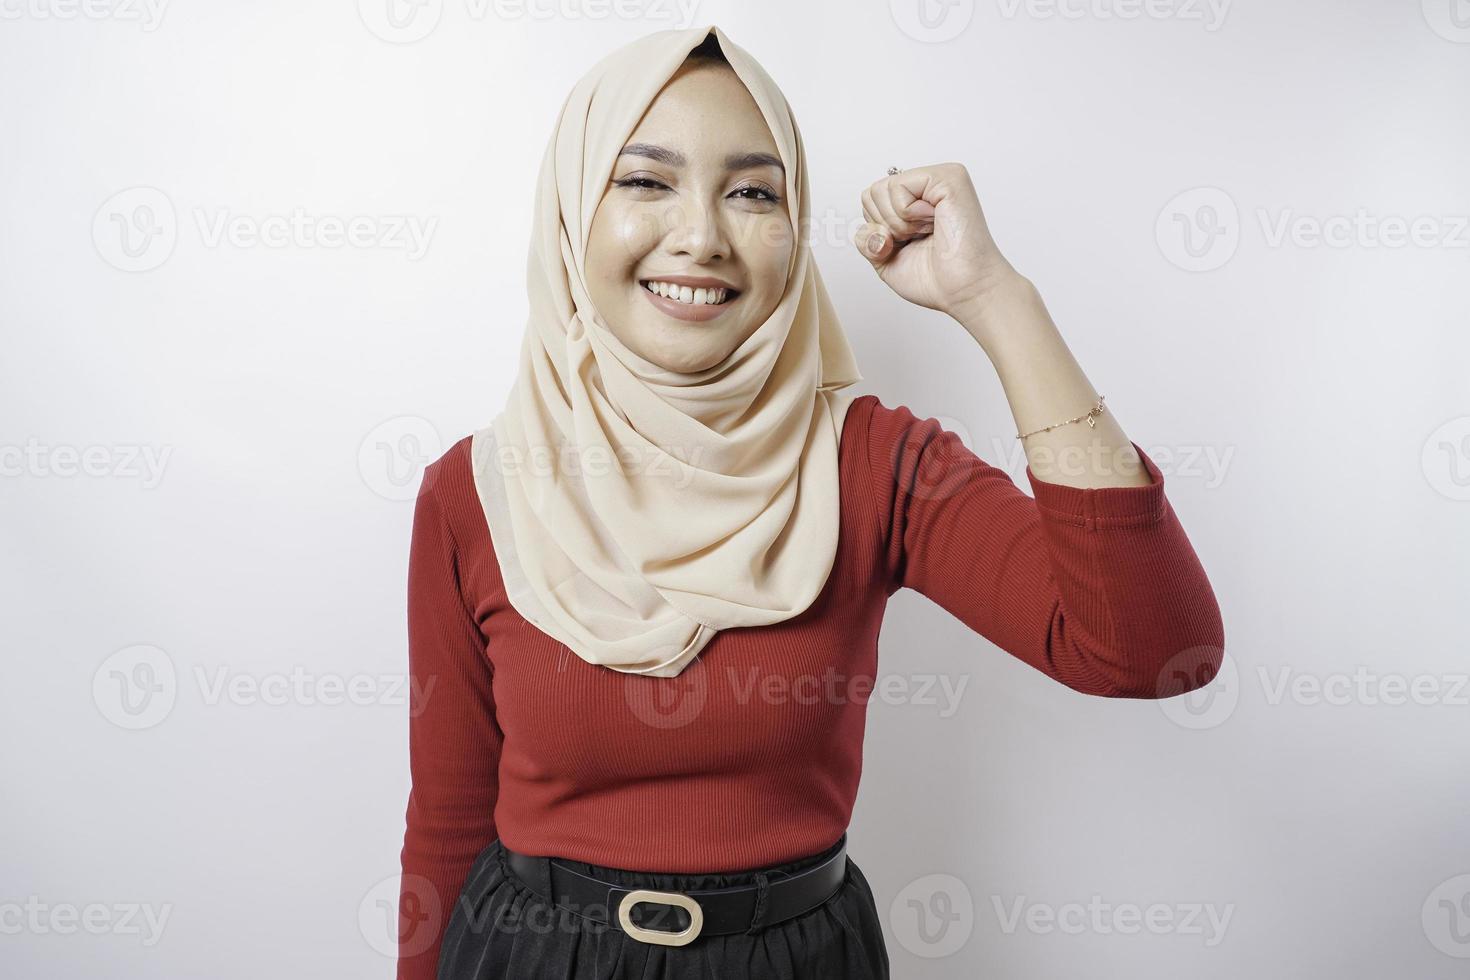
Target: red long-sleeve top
x: 751, y: 756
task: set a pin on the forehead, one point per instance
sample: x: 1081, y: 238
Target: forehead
x: 704, y: 107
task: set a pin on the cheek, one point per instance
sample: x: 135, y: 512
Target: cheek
x: 621, y: 237
x: 771, y: 248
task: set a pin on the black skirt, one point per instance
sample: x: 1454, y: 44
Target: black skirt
x: 500, y: 928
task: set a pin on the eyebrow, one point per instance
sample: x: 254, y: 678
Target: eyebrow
x: 673, y: 158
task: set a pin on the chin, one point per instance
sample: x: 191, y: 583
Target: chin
x: 686, y: 348
x: 684, y: 358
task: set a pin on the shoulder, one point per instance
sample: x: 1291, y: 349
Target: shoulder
x: 909, y: 461
x: 881, y: 435
x: 869, y: 418
x: 447, y: 492
x: 450, y: 474
x: 888, y: 454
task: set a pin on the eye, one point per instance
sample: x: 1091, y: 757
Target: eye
x: 765, y: 193
x: 642, y: 183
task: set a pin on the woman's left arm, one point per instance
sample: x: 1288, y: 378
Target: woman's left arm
x: 928, y: 240
x: 1094, y: 582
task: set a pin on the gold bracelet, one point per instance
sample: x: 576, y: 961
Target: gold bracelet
x: 1091, y: 418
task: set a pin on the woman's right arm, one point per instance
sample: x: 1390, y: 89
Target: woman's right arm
x: 454, y: 740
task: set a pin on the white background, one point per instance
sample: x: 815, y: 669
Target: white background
x: 1305, y: 396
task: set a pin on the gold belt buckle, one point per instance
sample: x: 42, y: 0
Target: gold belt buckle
x: 661, y: 937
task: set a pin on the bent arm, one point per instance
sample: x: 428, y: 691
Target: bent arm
x: 1099, y: 588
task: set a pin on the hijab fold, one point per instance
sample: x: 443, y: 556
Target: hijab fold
x: 636, y: 511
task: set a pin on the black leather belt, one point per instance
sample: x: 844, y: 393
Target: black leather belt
x: 678, y: 918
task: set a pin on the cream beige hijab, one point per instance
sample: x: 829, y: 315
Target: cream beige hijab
x: 636, y: 511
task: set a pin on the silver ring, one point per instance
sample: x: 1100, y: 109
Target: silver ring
x: 894, y: 170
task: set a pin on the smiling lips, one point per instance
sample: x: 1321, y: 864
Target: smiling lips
x: 689, y: 298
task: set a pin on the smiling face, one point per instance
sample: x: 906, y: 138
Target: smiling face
x: 696, y: 200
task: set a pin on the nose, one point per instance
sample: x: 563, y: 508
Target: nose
x: 696, y: 230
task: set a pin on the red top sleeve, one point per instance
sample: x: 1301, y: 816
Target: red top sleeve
x: 454, y: 740
x: 1098, y: 588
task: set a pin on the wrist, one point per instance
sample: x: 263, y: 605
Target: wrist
x: 1004, y: 299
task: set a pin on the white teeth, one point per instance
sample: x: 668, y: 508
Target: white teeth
x: 686, y: 294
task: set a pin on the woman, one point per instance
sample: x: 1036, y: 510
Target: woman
x: 644, y: 603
